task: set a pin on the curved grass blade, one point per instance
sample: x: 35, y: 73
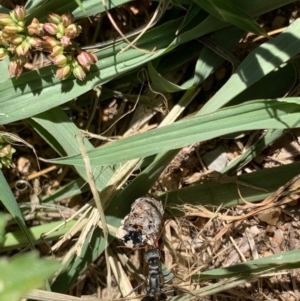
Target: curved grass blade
x: 258, y: 64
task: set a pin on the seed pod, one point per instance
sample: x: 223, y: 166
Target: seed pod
x: 143, y: 225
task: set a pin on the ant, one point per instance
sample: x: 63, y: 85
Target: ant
x: 154, y: 289
x: 152, y: 257
x: 141, y: 228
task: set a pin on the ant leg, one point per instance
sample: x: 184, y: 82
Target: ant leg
x: 165, y: 275
x: 132, y: 291
x: 174, y: 288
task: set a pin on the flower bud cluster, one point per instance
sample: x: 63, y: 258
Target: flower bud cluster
x: 62, y: 31
x: 55, y: 37
x: 14, y: 41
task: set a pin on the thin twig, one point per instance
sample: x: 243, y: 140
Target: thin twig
x: 111, y: 19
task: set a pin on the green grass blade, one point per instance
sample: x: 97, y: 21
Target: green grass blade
x: 259, y: 114
x: 206, y: 63
x: 90, y: 251
x: 10, y: 203
x: 16, y: 239
x: 3, y: 223
x: 240, y: 274
x: 72, y: 189
x: 258, y: 63
x: 79, y: 3
x: 57, y: 129
x: 273, y: 263
x: 217, y: 194
x: 254, y: 150
x: 89, y: 7
x: 228, y: 11
x: 36, y: 91
x: 204, y: 24
x: 271, y: 85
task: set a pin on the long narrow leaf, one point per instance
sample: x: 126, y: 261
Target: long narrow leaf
x: 252, y: 115
x: 230, y: 194
x: 38, y: 91
x: 273, y: 263
x: 230, y: 12
x: 258, y: 64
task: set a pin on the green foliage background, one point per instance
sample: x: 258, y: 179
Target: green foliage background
x: 251, y: 99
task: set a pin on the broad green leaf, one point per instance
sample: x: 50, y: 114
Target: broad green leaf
x: 37, y: 91
x: 260, y: 114
x: 24, y: 273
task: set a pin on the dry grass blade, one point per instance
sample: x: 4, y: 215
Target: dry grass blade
x: 41, y: 295
x: 77, y: 227
x: 162, y: 6
x: 284, y: 195
x: 98, y: 204
x: 13, y: 137
x: 120, y: 276
x: 246, y: 244
x: 156, y: 16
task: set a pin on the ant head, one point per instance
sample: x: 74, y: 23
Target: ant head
x: 134, y: 239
